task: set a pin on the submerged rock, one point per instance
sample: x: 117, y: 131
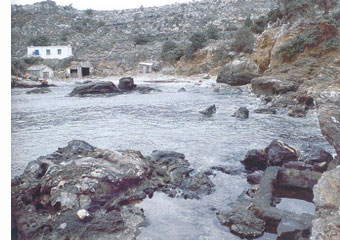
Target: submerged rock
x: 95, y: 89
x: 265, y: 110
x: 181, y: 90
x: 81, y: 191
x: 38, y: 91
x: 297, y: 111
x: 209, y: 110
x: 242, y: 113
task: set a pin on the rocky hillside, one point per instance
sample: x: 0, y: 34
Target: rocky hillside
x: 115, y: 41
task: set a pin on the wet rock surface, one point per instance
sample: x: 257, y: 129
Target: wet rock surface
x: 126, y: 84
x: 95, y: 89
x: 241, y: 113
x: 38, y: 91
x: 81, y: 191
x: 209, y: 110
x: 265, y: 111
x: 272, y: 86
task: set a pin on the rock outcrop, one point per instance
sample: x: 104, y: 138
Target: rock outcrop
x: 272, y: 86
x: 238, y: 72
x: 209, y: 110
x: 241, y: 113
x: 95, y: 89
x: 81, y: 191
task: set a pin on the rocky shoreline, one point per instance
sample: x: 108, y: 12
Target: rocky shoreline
x: 82, y: 192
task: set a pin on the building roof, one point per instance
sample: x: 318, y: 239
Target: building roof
x: 145, y: 63
x: 37, y: 67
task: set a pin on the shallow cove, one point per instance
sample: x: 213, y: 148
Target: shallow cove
x: 167, y: 120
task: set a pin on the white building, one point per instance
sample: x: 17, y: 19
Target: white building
x: 49, y: 52
x: 145, y: 67
x: 41, y: 71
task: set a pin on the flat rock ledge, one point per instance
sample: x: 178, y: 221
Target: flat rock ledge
x: 83, y: 192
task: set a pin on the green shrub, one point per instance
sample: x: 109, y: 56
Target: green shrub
x: 330, y: 45
x: 248, y: 22
x: 171, y: 52
x: 89, y: 12
x: 197, y: 40
x: 32, y: 60
x: 274, y: 15
x: 243, y: 41
x: 40, y: 40
x: 259, y: 24
x: 142, y: 39
x: 212, y: 32
x: 230, y: 28
x: 17, y: 66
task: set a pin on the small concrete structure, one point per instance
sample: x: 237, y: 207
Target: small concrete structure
x: 79, y: 69
x: 41, y: 71
x: 145, y: 67
x: 49, y: 52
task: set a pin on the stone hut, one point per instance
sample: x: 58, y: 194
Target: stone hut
x: 144, y: 67
x: 79, y: 69
x: 41, y: 71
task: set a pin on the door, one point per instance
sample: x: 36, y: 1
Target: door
x: 46, y: 75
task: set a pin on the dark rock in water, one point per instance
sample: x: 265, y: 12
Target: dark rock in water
x: 209, y: 110
x: 126, y: 84
x: 298, y: 165
x: 289, y: 229
x: 255, y: 177
x: 146, y: 90
x: 216, y: 90
x: 87, y: 81
x: 39, y: 91
x: 242, y: 222
x: 279, y: 153
x: 242, y: 113
x: 297, y: 111
x: 228, y: 170
x: 316, y: 155
x: 255, y: 160
x: 181, y: 90
x: 95, y: 89
x: 86, y: 191
x: 265, y: 110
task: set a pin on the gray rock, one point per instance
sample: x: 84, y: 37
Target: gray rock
x: 255, y: 177
x: 95, y: 89
x: 265, y: 111
x: 126, y: 84
x: 272, y: 86
x: 242, y: 113
x: 181, y: 90
x: 209, y: 110
x: 297, y: 111
x: 237, y: 73
x: 38, y: 91
x: 279, y: 153
x: 255, y: 160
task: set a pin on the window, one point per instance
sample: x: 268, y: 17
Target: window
x: 36, y: 52
x: 48, y: 52
x: 59, y: 51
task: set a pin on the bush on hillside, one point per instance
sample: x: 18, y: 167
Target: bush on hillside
x: 32, y: 60
x: 142, y: 39
x: 259, y: 24
x: 17, y: 66
x: 171, y: 52
x: 243, y: 41
x: 40, y: 40
x: 198, y: 40
x: 212, y: 32
x: 89, y: 12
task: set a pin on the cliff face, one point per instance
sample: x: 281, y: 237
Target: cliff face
x: 108, y: 38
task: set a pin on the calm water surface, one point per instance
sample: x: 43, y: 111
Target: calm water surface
x: 167, y: 120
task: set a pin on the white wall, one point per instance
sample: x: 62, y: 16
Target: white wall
x: 66, y: 51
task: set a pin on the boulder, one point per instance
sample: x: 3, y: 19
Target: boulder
x: 327, y: 201
x: 228, y: 170
x: 265, y: 111
x: 255, y: 177
x: 238, y: 72
x: 255, y: 160
x: 95, y: 89
x: 242, y: 113
x: 181, y: 90
x: 38, y: 91
x: 297, y: 111
x: 242, y: 222
x: 209, y: 110
x: 316, y: 154
x: 146, y: 90
x: 271, y: 86
x: 126, y: 84
x: 81, y: 191
x: 279, y: 153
